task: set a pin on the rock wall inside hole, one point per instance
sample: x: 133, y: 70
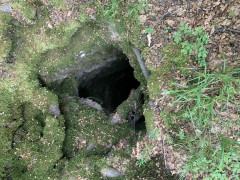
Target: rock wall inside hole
x: 111, y: 85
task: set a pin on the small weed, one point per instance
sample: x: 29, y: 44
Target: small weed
x: 181, y: 134
x: 146, y: 153
x: 144, y: 156
x: 115, y: 7
x: 217, y: 163
x: 192, y: 42
x: 149, y: 30
x: 167, y: 29
x: 231, y: 14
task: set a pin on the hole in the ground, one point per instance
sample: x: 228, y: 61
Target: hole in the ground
x: 140, y: 124
x: 111, y: 86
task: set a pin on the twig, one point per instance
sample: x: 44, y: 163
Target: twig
x: 164, y: 156
x: 223, y: 30
x: 234, y: 50
x: 141, y: 63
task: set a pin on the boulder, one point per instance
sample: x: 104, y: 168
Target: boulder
x: 110, y: 172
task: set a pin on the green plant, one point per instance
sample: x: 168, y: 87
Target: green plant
x: 146, y: 153
x: 167, y: 29
x: 197, y: 102
x: 231, y: 14
x: 217, y: 163
x: 192, y: 42
x: 181, y: 134
x: 115, y: 7
x: 144, y: 156
x: 149, y: 30
x: 136, y: 8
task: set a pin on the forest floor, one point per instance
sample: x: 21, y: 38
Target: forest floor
x: 220, y: 20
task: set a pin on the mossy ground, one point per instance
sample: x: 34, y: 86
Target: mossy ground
x: 32, y: 140
x: 173, y: 62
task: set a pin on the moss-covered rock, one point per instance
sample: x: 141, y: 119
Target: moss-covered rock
x: 6, y: 43
x: 26, y: 9
x: 6, y: 46
x: 82, y: 122
x: 149, y: 118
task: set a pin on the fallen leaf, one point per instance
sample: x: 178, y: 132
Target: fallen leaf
x: 170, y: 22
x: 143, y: 18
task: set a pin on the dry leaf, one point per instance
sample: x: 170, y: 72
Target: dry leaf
x: 143, y: 18
x: 170, y: 22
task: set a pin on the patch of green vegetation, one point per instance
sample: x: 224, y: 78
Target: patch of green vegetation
x: 199, y: 106
x: 82, y: 122
x: 87, y: 167
x: 192, y: 42
x: 174, y: 61
x: 127, y: 105
x: 231, y: 14
x: 149, y: 119
x: 58, y: 4
x: 220, y: 163
x: 6, y: 43
x: 86, y: 42
x: 149, y: 30
x: 53, y: 38
x: 150, y: 170
x: 69, y: 87
x: 26, y: 9
x: 168, y: 120
x: 5, y: 20
x: 37, y: 157
x: 197, y: 103
x: 6, y: 46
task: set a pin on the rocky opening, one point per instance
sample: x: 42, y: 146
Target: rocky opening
x: 111, y: 85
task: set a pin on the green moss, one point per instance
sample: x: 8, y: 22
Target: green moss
x: 37, y: 157
x: 75, y: 56
x: 5, y: 21
x: 69, y: 87
x: 26, y: 9
x: 87, y: 125
x: 172, y: 54
x: 127, y: 105
x: 51, y: 39
x: 173, y: 62
x: 88, y: 167
x: 153, y: 169
x: 149, y: 119
x: 58, y: 4
x: 6, y: 43
x: 170, y: 120
x: 154, y: 83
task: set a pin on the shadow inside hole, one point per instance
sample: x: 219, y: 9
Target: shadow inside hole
x: 111, y: 86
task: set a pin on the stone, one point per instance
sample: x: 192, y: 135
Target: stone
x: 115, y: 119
x: 63, y: 171
x: 5, y: 7
x: 90, y: 147
x: 110, y: 172
x: 54, y: 110
x: 150, y: 103
x: 91, y: 103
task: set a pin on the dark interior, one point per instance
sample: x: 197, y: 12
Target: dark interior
x: 111, y: 86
